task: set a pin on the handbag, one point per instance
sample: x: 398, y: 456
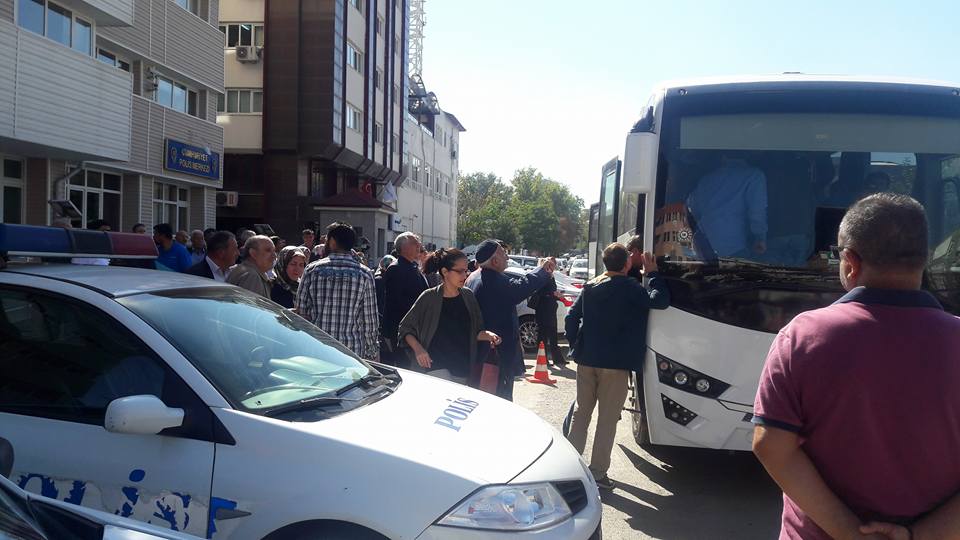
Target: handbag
x: 490, y: 372
x: 534, y: 300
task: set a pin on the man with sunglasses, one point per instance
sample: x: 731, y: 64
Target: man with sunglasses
x: 857, y: 413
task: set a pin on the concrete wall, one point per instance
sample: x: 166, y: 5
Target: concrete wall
x: 242, y: 133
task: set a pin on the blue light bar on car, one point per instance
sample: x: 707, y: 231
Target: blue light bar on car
x: 36, y: 241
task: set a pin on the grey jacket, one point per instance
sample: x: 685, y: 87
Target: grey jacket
x: 249, y: 277
x: 424, y: 317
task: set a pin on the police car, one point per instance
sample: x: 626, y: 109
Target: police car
x: 196, y: 405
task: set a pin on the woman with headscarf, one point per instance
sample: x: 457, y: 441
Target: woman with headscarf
x: 289, y: 269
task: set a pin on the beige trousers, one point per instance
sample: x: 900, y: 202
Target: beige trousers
x: 608, y: 387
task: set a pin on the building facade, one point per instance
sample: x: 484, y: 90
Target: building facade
x: 312, y: 113
x: 427, y: 198
x: 111, y: 104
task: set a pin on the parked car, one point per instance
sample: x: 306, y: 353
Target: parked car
x: 528, y: 319
x: 579, y: 270
x: 524, y: 260
x: 196, y: 405
x: 35, y: 517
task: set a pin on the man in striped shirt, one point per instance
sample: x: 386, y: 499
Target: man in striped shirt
x: 338, y: 295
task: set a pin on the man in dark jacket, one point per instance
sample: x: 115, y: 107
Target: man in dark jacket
x: 222, y: 251
x: 402, y: 284
x: 613, y: 309
x: 498, y: 296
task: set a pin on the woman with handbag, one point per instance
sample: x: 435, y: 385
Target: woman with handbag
x: 444, y: 325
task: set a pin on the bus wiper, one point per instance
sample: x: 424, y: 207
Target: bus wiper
x: 792, y: 286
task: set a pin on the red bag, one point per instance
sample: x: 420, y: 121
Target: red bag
x: 490, y: 373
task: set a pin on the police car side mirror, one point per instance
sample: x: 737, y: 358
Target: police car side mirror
x: 6, y: 457
x: 141, y: 415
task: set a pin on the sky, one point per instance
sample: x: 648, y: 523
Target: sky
x: 556, y: 84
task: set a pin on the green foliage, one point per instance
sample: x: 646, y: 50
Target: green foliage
x: 533, y: 212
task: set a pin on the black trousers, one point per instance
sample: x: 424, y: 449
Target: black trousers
x: 547, y: 333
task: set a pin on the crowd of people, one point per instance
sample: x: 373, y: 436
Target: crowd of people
x: 861, y: 440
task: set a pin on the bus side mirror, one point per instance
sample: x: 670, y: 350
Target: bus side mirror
x: 640, y: 163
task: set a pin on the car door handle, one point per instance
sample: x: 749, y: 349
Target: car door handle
x: 229, y: 513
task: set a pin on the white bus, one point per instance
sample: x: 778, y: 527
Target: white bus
x: 802, y: 147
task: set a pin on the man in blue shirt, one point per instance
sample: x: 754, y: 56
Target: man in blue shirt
x: 173, y: 256
x: 730, y: 206
x: 498, y: 296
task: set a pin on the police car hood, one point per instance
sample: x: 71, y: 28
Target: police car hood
x: 447, y: 427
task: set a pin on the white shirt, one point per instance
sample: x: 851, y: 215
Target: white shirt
x: 218, y: 275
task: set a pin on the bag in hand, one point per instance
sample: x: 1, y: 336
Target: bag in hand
x: 490, y: 372
x: 534, y: 300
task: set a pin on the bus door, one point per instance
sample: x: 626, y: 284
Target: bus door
x: 607, y: 217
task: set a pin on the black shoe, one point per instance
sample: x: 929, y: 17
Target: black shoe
x: 604, y: 482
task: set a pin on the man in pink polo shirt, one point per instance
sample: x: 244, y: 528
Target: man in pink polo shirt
x: 858, y: 409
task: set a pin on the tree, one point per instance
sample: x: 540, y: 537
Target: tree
x: 483, y: 206
x: 548, y: 214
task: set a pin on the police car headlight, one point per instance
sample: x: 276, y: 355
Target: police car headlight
x: 518, y: 507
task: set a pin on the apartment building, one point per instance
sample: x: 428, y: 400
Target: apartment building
x: 427, y: 199
x: 312, y: 113
x: 111, y: 104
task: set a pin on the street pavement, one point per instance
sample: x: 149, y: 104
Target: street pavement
x: 664, y: 492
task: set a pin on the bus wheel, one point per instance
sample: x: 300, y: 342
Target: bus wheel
x: 638, y: 416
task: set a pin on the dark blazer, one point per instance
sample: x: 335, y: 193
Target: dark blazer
x: 402, y: 282
x: 498, y: 295
x: 201, y: 269
x: 424, y: 317
x: 613, y: 311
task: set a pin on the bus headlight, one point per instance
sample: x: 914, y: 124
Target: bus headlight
x: 510, y: 508
x: 689, y: 380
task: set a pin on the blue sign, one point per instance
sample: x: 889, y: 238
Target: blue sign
x: 189, y: 159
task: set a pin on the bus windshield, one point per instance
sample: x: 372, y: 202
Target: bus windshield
x: 748, y: 205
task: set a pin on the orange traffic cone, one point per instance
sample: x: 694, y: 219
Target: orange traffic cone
x: 540, y: 376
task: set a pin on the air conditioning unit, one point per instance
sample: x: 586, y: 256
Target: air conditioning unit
x: 228, y: 198
x: 248, y: 54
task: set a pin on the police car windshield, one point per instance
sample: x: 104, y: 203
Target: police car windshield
x: 258, y: 355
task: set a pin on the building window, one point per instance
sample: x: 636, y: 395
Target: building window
x: 240, y: 102
x: 97, y: 196
x: 170, y: 205
x: 379, y: 25
x: 11, y: 191
x: 108, y: 57
x: 358, y: 4
x: 377, y: 77
x: 426, y: 176
x: 175, y: 95
x: 242, y: 34
x: 82, y: 36
x: 396, y: 45
x: 57, y: 23
x: 354, y: 117
x: 354, y: 58
x: 393, y: 141
x: 415, y: 164
x: 190, y: 5
x: 378, y: 133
